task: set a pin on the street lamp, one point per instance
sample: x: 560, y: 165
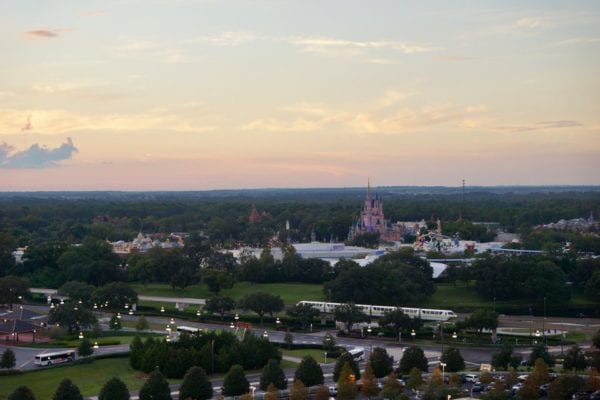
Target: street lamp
x: 96, y: 345
x: 399, y: 335
x: 325, y: 357
x: 454, y: 335
x: 130, y: 311
x: 443, y: 365
x: 80, y: 335
x: 231, y: 325
x: 265, y: 335
x: 162, y: 309
x: 369, y: 330
x: 277, y: 321
x: 198, y: 313
x: 413, y: 334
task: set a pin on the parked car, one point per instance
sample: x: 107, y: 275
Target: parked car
x: 516, y: 388
x: 544, y: 389
x: 477, y: 387
x: 471, y: 378
x: 332, y: 390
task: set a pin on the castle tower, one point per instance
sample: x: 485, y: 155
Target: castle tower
x: 254, y: 216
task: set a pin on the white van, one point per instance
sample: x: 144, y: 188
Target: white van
x: 471, y: 378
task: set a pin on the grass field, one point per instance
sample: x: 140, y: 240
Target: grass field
x: 317, y: 354
x: 89, y: 377
x: 291, y: 293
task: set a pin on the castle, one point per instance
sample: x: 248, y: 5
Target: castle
x: 372, y: 220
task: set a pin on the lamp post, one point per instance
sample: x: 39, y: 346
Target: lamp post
x: 237, y: 318
x: 443, y: 365
x: 544, y: 321
x: 277, y: 322
x: 400, y: 336
x: 265, y: 335
x: 369, y: 330
x: 325, y: 357
x: 413, y: 334
x: 80, y: 335
x: 96, y: 346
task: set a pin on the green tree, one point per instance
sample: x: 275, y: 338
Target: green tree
x: 195, y: 385
x: 217, y: 280
x: 22, y: 393
x: 540, y: 351
x: 141, y: 324
x: 343, y: 359
x: 116, y: 294
x: 399, y: 321
x: 505, y: 358
x: 392, y: 389
x: 413, y: 357
x: 288, y: 339
x: 381, y: 362
x: 71, y: 316
x: 368, y: 385
x: 76, y: 290
x: 346, y: 383
x: 115, y: 323
x: 261, y: 303
x: 114, y: 389
x: 85, y: 348
x: 298, y: 391
x: 328, y: 342
x: 219, y: 305
x: 482, y: 319
x: 303, y: 313
x: 309, y: 372
x: 415, y: 378
x: 453, y: 359
x: 7, y: 260
x: 235, y: 382
x: 67, y: 390
x: 592, y: 287
x: 156, y: 388
x: 575, y: 359
x: 8, y: 359
x: 349, y: 314
x: 272, y: 373
x: 13, y: 289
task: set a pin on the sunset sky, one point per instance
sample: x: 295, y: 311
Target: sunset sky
x: 207, y: 94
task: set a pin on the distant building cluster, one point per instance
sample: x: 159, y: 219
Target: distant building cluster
x: 372, y: 220
x: 142, y: 243
x: 575, y: 224
x: 255, y: 217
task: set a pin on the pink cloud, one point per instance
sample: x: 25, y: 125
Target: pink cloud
x: 41, y: 33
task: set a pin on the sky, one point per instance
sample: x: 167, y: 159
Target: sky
x: 207, y: 94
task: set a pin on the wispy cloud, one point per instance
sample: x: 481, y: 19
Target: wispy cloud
x: 50, y: 121
x: 544, y: 125
x: 36, y: 156
x: 577, y: 41
x: 28, y: 126
x: 231, y: 38
x: 42, y: 33
x: 93, y: 13
x: 383, y: 119
x: 154, y: 50
x: 335, y: 46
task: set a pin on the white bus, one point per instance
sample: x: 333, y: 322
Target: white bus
x: 55, y: 357
x: 188, y: 329
x: 358, y: 353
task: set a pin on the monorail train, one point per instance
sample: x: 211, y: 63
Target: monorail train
x: 425, y: 314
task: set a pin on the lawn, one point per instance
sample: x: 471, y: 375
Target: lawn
x: 448, y: 296
x: 89, y: 377
x: 291, y: 293
x: 317, y: 354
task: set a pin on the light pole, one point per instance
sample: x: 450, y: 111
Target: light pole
x: 237, y: 318
x: 265, y: 335
x: 400, y: 336
x: 544, y: 321
x: 325, y: 357
x: 413, y: 334
x: 443, y: 365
